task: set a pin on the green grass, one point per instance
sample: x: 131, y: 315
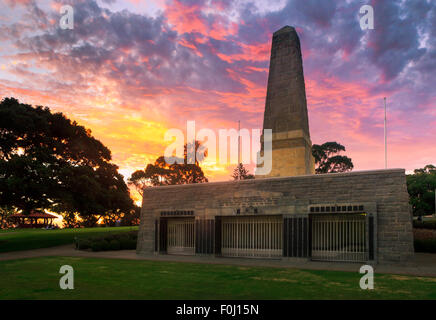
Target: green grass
x: 29, y: 239
x: 38, y: 278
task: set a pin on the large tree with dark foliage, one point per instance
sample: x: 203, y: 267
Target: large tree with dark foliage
x: 161, y: 173
x: 421, y: 186
x: 328, y: 159
x: 50, y: 162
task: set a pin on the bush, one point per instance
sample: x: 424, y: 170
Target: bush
x: 106, y: 245
x: 96, y: 246
x: 119, y: 241
x: 427, y: 245
x: 100, y: 245
x: 109, y: 238
x: 83, y: 244
x: 128, y: 244
x: 424, y: 224
x: 134, y: 235
x: 114, y: 245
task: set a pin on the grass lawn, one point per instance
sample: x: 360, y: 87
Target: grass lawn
x: 38, y: 278
x: 28, y: 239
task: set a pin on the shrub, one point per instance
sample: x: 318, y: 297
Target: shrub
x: 134, y: 235
x: 132, y: 244
x: 118, y: 241
x: 106, y: 245
x: 83, y: 244
x: 424, y: 224
x: 114, y: 245
x: 427, y: 245
x: 96, y: 246
x: 100, y: 245
x: 128, y: 244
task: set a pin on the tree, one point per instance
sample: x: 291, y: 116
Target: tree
x: 114, y: 219
x: 132, y: 218
x: 427, y: 169
x: 421, y: 187
x: 140, y: 179
x: 328, y: 159
x: 50, y: 162
x: 70, y: 220
x: 5, y: 213
x: 241, y: 173
x: 161, y: 173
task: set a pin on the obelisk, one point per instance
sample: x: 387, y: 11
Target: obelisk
x: 286, y: 108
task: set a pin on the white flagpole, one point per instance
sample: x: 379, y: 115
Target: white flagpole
x: 239, y: 142
x: 239, y: 147
x: 386, y: 140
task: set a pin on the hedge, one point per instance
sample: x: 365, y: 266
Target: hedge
x: 424, y: 224
x: 120, y: 241
x: 427, y: 245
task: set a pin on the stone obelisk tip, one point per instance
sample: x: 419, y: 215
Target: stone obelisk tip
x: 285, y: 29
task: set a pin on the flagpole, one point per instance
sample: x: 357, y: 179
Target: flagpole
x: 386, y: 140
x: 239, y: 142
x: 239, y: 148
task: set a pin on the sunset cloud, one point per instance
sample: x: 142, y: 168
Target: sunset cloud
x: 130, y: 71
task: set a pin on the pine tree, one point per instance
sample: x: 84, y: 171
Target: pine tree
x: 240, y: 173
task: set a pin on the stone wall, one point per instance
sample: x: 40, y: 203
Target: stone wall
x: 291, y: 155
x: 386, y: 189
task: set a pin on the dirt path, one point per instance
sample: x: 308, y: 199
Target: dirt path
x: 66, y: 251
x: 424, y: 264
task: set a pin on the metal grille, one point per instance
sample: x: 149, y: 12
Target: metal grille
x: 259, y: 236
x: 181, y: 236
x: 204, y: 236
x: 296, y: 237
x: 339, y: 237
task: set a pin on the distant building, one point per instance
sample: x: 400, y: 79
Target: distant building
x: 35, y: 219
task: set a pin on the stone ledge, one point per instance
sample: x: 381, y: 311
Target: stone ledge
x: 262, y: 180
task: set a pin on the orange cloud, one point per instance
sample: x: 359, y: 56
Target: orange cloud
x: 185, y: 18
x: 250, y: 52
x: 189, y: 18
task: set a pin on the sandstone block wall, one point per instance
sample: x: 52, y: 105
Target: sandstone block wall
x: 386, y: 189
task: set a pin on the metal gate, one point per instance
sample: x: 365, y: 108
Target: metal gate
x: 181, y: 236
x: 296, y: 236
x: 252, y: 236
x: 340, y: 237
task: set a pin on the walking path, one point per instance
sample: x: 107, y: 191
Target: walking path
x: 424, y: 264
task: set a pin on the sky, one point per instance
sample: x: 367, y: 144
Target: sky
x: 131, y: 70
